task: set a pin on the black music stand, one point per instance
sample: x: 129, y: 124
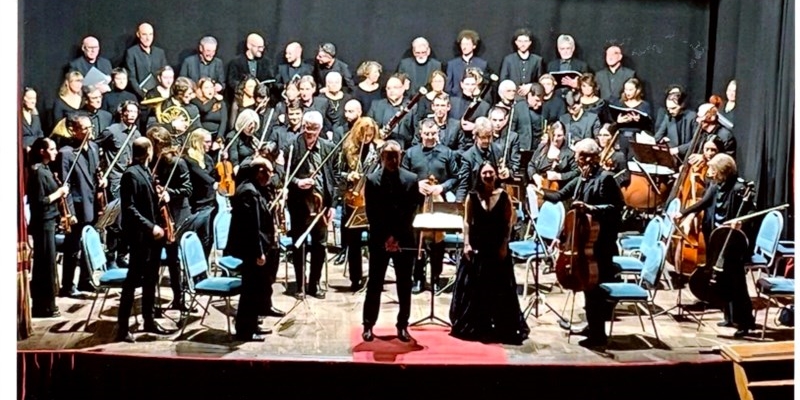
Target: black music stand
x: 444, y: 208
x: 300, y: 245
x: 652, y: 154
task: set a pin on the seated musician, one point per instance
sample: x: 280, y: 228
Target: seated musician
x: 707, y: 119
x: 614, y: 160
x: 431, y: 158
x: 597, y: 193
x: 721, y: 202
x: 360, y: 157
x: 553, y: 164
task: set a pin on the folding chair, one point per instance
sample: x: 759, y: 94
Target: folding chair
x: 769, y: 234
x: 104, y: 280
x: 550, y: 222
x: 773, y: 288
x: 228, y: 265
x: 632, y: 264
x: 623, y: 292
x: 199, y: 283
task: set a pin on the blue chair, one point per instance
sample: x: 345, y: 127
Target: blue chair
x: 550, y: 222
x: 199, y: 283
x: 623, y: 292
x: 773, y: 288
x: 104, y: 280
x: 627, y: 242
x: 632, y: 264
x: 228, y: 265
x: 769, y: 233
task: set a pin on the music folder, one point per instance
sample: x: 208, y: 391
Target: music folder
x: 644, y: 123
x: 564, y: 74
x: 95, y: 77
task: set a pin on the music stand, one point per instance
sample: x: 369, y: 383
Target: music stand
x: 301, y: 280
x: 654, y: 155
x: 681, y: 237
x: 437, y: 222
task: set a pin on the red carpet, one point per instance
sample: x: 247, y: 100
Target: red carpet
x: 429, y: 345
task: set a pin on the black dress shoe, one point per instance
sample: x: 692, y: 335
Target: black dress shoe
x: 263, y: 331
x: 594, y: 342
x: 254, y: 337
x: 274, y: 312
x: 402, y: 335
x: 356, y: 286
x: 319, y: 295
x: 417, y: 288
x: 46, y: 314
x: 741, y: 333
x: 154, y: 327
x: 128, y: 338
x: 367, y: 335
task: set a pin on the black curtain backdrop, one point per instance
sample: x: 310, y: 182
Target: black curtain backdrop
x: 755, y: 44
x: 701, y: 44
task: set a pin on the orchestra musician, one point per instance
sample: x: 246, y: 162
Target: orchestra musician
x: 614, y: 159
x: 448, y: 130
x: 204, y: 179
x: 553, y: 160
x: 145, y: 232
x: 506, y: 141
x: 43, y: 192
x: 383, y: 110
x: 174, y: 179
x: 182, y: 93
x: 677, y: 126
x: 253, y: 239
x: 360, y: 157
x: 597, y: 193
x: 707, y: 119
x: 81, y: 155
x: 391, y: 194
x: 578, y: 123
x: 353, y: 110
x: 212, y: 108
x: 484, y: 149
x: 431, y: 158
x: 311, y: 191
x: 435, y: 83
x: 242, y: 141
x: 517, y: 111
x: 721, y: 202
x: 111, y: 141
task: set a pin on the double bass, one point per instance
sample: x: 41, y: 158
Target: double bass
x: 727, y: 246
x: 576, y: 267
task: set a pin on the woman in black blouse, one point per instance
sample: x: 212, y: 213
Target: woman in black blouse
x: 213, y: 111
x: 553, y: 160
x: 31, y: 124
x: 368, y: 90
x: 43, y: 192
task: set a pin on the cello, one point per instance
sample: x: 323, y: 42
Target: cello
x: 576, y: 267
x: 726, y: 246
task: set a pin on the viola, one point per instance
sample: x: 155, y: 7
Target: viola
x: 224, y: 169
x: 63, y: 209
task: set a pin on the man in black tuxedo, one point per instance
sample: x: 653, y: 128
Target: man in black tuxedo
x: 143, y: 60
x: 252, y: 63
x: 143, y: 228
x: 314, y: 182
x: 391, y: 194
x: 83, y: 184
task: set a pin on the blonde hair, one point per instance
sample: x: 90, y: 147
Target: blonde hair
x: 352, y: 145
x: 247, y: 117
x: 195, y: 149
x: 69, y: 77
x: 724, y: 165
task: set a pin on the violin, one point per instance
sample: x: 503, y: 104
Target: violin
x: 169, y: 223
x: 727, y: 247
x: 576, y: 267
x: 63, y: 209
x: 224, y: 169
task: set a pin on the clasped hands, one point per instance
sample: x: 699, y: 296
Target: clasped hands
x: 430, y: 190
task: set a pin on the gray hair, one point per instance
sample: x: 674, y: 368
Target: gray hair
x: 566, y: 39
x: 506, y: 84
x: 312, y: 117
x: 482, y: 126
x: 586, y: 146
x: 245, y: 118
x: 208, y: 40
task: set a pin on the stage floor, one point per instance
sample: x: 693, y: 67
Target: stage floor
x: 337, y: 337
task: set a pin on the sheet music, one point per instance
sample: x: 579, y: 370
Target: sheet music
x: 94, y: 77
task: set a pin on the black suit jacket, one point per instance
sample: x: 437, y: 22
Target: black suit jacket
x: 190, y: 68
x: 512, y: 69
x: 566, y: 164
x: 252, y: 231
x: 417, y: 73
x: 286, y: 72
x: 391, y: 212
x: 139, y: 208
x: 297, y: 198
x: 81, y: 65
x: 140, y: 65
x: 611, y: 85
x: 470, y: 160
x: 575, y: 65
x: 238, y: 69
x: 83, y: 181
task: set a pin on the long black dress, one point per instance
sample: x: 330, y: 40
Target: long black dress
x: 485, y: 306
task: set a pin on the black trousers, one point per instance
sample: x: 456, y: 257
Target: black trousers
x: 353, y: 244
x: 435, y: 254
x: 739, y: 308
x: 174, y: 268
x: 316, y: 248
x: 116, y: 247
x: 44, y: 274
x: 72, y: 244
x: 378, y: 262
x: 598, y: 309
x: 143, y: 268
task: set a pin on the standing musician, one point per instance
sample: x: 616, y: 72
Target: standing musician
x: 392, y: 194
x: 81, y: 156
x: 612, y: 158
x: 43, y: 193
x: 360, y: 157
x: 242, y: 141
x: 448, y: 129
x: 677, y: 125
x: 597, y: 193
x: 182, y: 93
x: 553, y: 160
x: 311, y: 191
x: 517, y: 111
x: 721, y: 202
x: 144, y: 231
x: 506, y: 141
x: 174, y: 179
x: 204, y: 179
x: 483, y: 150
x: 431, y: 158
x: 253, y: 239
x: 111, y: 141
x: 383, y: 110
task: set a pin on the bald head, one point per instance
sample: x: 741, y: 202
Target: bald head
x: 255, y: 46
x: 352, y: 110
x: 294, y: 53
x: 91, y: 48
x: 145, y: 35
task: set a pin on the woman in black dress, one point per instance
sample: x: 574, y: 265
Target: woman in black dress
x: 485, y: 306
